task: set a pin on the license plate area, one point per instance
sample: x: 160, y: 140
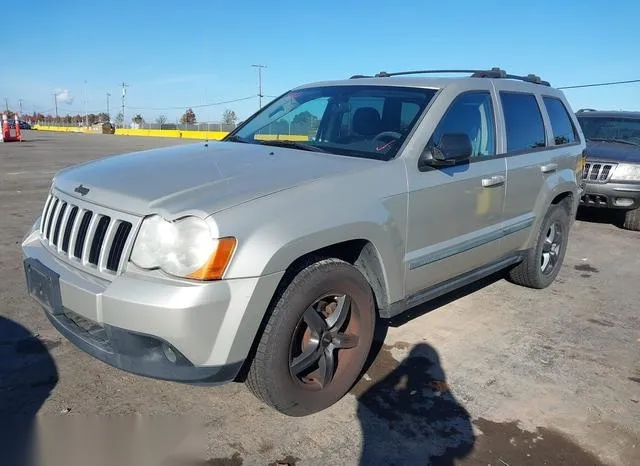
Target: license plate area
x: 43, y: 285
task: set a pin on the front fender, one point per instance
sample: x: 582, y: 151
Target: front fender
x: 274, y: 231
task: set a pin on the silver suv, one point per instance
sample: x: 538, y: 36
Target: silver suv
x: 270, y: 256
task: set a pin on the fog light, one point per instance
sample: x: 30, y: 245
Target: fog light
x: 169, y: 353
x: 623, y: 201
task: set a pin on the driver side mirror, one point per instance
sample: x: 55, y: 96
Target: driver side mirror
x: 453, y: 149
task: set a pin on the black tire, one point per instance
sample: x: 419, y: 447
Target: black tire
x: 531, y: 272
x: 273, y: 377
x: 632, y: 220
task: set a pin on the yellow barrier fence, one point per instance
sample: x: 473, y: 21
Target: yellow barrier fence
x: 64, y: 129
x: 173, y: 133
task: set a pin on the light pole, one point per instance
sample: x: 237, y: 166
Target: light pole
x: 85, y: 104
x: 124, y: 93
x: 108, y: 114
x: 260, y: 81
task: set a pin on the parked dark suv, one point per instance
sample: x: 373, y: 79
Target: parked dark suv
x: 612, y: 172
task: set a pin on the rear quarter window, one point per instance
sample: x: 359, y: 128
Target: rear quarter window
x: 564, y: 132
x: 523, y: 121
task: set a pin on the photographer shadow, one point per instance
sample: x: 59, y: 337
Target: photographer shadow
x: 411, y: 417
x: 28, y: 375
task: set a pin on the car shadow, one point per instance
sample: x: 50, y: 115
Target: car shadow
x: 606, y: 216
x: 411, y: 417
x: 28, y: 375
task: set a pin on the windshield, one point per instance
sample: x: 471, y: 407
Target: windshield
x: 616, y: 129
x: 352, y: 120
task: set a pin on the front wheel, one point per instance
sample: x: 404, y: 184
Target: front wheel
x: 543, y: 262
x: 316, y: 340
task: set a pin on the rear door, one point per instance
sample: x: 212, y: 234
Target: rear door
x: 455, y: 212
x: 525, y: 145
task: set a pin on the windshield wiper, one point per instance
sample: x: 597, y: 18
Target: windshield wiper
x: 293, y: 145
x: 622, y: 141
x: 234, y: 138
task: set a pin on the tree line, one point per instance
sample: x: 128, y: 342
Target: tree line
x: 189, y: 117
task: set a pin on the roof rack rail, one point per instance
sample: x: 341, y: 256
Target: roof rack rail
x: 495, y: 72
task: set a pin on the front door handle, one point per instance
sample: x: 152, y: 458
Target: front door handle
x: 551, y: 167
x: 493, y: 181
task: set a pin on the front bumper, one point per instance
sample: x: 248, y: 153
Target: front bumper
x: 611, y: 195
x: 152, y: 326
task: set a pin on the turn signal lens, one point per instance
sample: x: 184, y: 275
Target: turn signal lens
x: 215, y: 267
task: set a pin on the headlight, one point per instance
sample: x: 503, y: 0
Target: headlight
x: 626, y: 172
x: 185, y: 248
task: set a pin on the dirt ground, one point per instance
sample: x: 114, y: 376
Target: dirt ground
x: 495, y: 374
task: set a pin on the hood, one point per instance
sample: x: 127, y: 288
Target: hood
x: 198, y: 178
x: 612, y: 152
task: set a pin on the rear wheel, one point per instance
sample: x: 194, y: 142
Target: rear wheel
x: 316, y: 341
x: 542, y: 263
x: 632, y: 220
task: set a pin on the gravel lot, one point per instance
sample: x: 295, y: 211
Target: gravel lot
x: 496, y: 374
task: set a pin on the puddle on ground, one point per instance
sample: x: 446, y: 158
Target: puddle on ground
x: 382, y: 366
x: 586, y: 268
x: 604, y: 323
x: 233, y: 460
x: 506, y: 443
x: 287, y: 461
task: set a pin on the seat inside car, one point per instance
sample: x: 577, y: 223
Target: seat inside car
x: 366, y: 124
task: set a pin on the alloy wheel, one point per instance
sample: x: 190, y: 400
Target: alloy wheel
x: 551, y: 248
x: 323, y: 340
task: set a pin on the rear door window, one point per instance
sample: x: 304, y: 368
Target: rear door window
x: 523, y: 121
x: 563, y: 130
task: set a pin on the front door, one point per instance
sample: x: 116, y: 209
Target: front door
x: 456, y: 212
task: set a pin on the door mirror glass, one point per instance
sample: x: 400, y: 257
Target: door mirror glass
x: 452, y: 149
x: 454, y: 146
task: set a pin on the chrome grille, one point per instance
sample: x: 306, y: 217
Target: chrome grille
x: 92, y: 238
x: 597, y: 172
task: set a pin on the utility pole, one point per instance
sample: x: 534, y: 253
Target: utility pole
x: 124, y: 93
x: 20, y: 105
x: 260, y: 81
x: 55, y: 99
x: 108, y: 114
x: 6, y: 104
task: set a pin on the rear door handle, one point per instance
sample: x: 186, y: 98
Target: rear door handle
x: 493, y: 181
x: 551, y: 167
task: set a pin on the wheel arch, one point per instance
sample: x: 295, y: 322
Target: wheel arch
x: 359, y: 252
x: 559, y: 188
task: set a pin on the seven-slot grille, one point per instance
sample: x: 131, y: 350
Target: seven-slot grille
x: 85, y: 235
x: 597, y: 172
